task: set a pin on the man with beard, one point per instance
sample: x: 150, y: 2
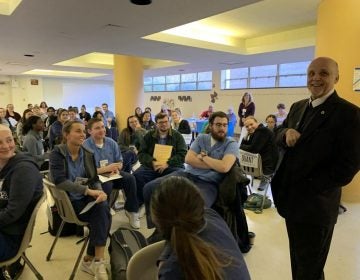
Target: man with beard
x: 210, y: 157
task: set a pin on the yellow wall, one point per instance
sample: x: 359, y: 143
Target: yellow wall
x: 128, y: 87
x: 338, y: 37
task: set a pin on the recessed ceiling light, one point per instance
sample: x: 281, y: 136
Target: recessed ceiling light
x: 29, y: 55
x: 141, y: 2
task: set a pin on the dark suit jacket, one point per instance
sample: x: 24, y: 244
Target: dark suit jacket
x: 307, y: 185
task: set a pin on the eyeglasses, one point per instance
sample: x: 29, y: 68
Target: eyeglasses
x: 218, y: 125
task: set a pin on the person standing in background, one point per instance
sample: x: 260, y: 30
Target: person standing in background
x: 246, y: 108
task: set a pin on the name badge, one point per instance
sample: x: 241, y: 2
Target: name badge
x: 104, y: 162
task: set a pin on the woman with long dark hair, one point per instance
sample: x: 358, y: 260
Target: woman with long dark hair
x: 19, y: 127
x: 199, y: 243
x: 55, y: 134
x: 33, y: 142
x: 246, y: 108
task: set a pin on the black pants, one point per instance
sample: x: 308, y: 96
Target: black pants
x: 309, y: 247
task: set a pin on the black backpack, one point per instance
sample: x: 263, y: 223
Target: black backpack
x: 124, y: 243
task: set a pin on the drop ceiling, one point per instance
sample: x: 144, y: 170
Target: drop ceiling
x: 53, y: 32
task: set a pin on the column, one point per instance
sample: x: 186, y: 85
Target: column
x: 338, y: 37
x: 128, y: 87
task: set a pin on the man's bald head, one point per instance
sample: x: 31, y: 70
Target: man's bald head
x: 322, y: 75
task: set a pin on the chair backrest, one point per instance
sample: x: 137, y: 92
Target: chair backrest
x: 28, y: 233
x: 251, y: 163
x: 187, y: 138
x: 142, y: 265
x: 63, y: 204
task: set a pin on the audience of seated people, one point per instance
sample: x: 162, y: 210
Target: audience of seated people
x: 109, y: 162
x: 21, y: 188
x: 151, y: 167
x: 73, y: 169
x: 260, y: 140
x: 179, y: 124
x: 210, y: 157
x: 33, y: 141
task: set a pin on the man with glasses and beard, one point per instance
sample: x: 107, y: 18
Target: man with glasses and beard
x: 210, y: 157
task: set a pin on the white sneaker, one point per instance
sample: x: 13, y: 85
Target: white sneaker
x: 99, y: 268
x: 133, y: 219
x: 95, y: 268
x: 87, y: 267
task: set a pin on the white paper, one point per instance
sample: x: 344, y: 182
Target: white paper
x: 104, y: 179
x: 88, y: 207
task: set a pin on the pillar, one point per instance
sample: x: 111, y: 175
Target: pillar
x: 128, y: 87
x: 338, y: 37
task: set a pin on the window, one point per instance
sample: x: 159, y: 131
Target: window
x: 293, y: 74
x: 265, y: 76
x: 183, y: 82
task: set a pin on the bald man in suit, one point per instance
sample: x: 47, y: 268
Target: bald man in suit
x: 320, y: 140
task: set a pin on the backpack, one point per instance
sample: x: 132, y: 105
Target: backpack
x: 54, y: 222
x: 124, y: 243
x: 254, y: 202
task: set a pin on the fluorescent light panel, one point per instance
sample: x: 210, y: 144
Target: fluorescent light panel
x: 57, y: 73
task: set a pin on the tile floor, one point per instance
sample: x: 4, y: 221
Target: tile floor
x: 268, y: 259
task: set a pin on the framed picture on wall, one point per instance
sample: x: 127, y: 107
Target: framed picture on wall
x: 356, y: 80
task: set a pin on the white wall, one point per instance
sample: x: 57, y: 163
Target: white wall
x: 265, y: 100
x: 65, y: 92
x: 55, y: 92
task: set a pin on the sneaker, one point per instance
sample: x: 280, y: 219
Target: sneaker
x: 87, y: 267
x: 133, y: 219
x: 99, y: 268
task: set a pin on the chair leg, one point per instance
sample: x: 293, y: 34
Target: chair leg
x: 259, y: 211
x: 55, y: 240
x: 79, y: 258
x: 33, y: 269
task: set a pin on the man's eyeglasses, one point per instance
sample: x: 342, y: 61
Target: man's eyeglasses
x: 218, y: 125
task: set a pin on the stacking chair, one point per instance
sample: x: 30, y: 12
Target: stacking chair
x: 142, y: 265
x: 68, y: 215
x: 251, y: 164
x: 26, y: 242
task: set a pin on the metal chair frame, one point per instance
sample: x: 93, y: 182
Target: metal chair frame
x: 68, y: 215
x: 25, y: 243
x: 251, y: 164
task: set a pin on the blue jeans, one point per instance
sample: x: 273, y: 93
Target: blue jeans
x: 145, y: 174
x: 99, y: 220
x: 128, y: 184
x: 9, y: 245
x: 208, y: 191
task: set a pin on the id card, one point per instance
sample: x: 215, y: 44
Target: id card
x: 104, y: 162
